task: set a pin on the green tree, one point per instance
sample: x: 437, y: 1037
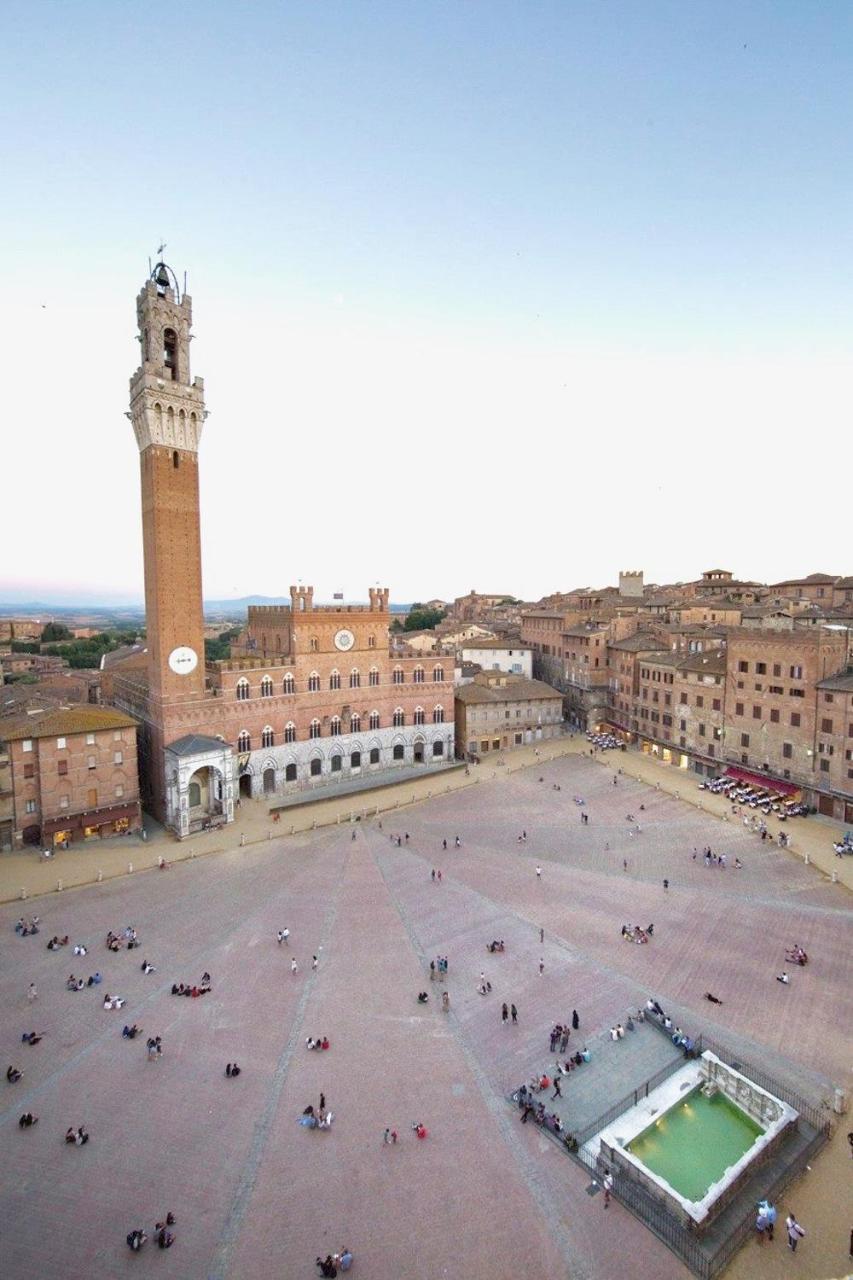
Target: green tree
x: 421, y: 619
x: 56, y: 631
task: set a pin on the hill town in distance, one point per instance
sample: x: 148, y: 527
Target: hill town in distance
x: 525, y: 925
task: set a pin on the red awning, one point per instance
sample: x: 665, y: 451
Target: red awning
x: 760, y: 780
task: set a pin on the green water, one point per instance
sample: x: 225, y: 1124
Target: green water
x: 692, y: 1145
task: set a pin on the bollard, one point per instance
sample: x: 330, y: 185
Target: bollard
x: 269, y: 835
x: 292, y: 829
x: 59, y: 886
x: 100, y: 876
x: 806, y: 859
x: 835, y: 877
x: 129, y: 868
x: 23, y: 893
x: 242, y: 839
x: 314, y: 825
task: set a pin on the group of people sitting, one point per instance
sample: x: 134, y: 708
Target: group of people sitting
x: 130, y: 1033
x: 164, y: 1237
x: 77, y: 984
x: 334, y: 1262
x: 76, y: 1137
x: 56, y: 942
x: 320, y: 1119
x: 317, y: 1042
x: 423, y: 997
x: 796, y: 955
x: 31, y: 1037
x: 116, y: 941
x: 154, y: 1045
x: 27, y: 1120
x: 185, y: 989
x: 232, y: 1070
x: 633, y: 933
x: 25, y: 927
x: 618, y: 1032
x: 497, y: 944
x: 536, y: 1111
x: 14, y: 1074
x: 114, y: 1002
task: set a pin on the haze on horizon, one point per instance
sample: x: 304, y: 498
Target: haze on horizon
x: 504, y: 297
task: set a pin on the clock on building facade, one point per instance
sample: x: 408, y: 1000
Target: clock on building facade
x: 344, y: 640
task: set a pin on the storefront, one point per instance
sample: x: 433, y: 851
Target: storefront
x: 98, y: 824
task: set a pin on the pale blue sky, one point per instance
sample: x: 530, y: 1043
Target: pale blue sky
x: 460, y: 271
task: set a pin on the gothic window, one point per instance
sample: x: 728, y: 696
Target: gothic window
x: 399, y: 718
x: 290, y: 773
x: 335, y: 680
x: 418, y: 675
x: 354, y: 679
x: 374, y: 719
x: 335, y: 726
x: 397, y: 676
x: 374, y: 755
x: 315, y: 730
x: 290, y: 732
x: 266, y: 687
x: 355, y: 723
x: 316, y: 767
x: 242, y: 688
x: 438, y: 715
x: 438, y: 748
x: 371, y: 642
x: 288, y: 685
x: 336, y: 763
x: 399, y: 751
x: 437, y: 674
x: 244, y: 742
x: 419, y: 715
x: 374, y: 676
x: 170, y: 353
x: 314, y: 644
x: 355, y: 760
x: 313, y: 683
x: 267, y: 737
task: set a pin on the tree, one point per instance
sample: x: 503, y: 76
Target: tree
x: 421, y: 619
x: 56, y: 631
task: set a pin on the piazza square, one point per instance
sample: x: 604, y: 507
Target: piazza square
x: 254, y: 1193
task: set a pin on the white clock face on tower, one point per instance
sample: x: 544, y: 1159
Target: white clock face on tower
x: 344, y: 640
x: 183, y: 660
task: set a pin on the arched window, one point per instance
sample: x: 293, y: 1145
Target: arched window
x: 170, y: 353
x: 336, y: 763
x: 266, y: 687
x: 194, y: 795
x: 355, y: 760
x: 335, y: 726
x: 438, y: 715
x: 374, y: 719
x: 418, y: 675
x: 244, y: 742
x: 371, y: 642
x: 399, y: 717
x: 399, y: 751
x: 374, y: 676
x: 315, y: 730
x: 438, y: 747
x: 290, y: 732
x: 288, y: 684
x: 354, y: 679
x: 290, y: 773
x: 437, y: 674
x: 313, y: 683
x: 374, y: 755
x: 397, y: 675
x: 316, y: 767
x: 314, y: 644
x: 335, y: 680
x: 242, y: 688
x: 268, y: 737
x: 419, y: 715
x: 355, y: 723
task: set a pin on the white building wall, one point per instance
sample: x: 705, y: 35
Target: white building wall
x: 511, y: 659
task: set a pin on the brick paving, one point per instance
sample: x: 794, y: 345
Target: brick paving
x: 256, y: 1194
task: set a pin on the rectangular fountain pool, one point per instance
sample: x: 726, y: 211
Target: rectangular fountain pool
x: 693, y: 1143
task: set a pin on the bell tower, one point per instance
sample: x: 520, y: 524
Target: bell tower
x: 167, y: 412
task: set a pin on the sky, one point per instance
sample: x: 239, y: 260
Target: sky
x: 504, y: 296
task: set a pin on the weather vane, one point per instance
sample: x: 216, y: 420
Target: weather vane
x: 161, y: 249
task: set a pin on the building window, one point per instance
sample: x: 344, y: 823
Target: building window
x: 374, y: 676
x: 399, y: 752
x: 290, y: 732
x: 335, y: 680
x: 374, y: 755
x: 118, y: 758
x: 756, y: 713
x: 397, y: 675
x: 60, y: 744
x: 29, y: 771
x: 335, y: 726
x: 795, y: 719
x: 419, y: 715
x: 438, y: 715
x: 27, y: 744
x: 90, y: 741
x: 743, y: 665
x: 826, y: 726
x: 744, y: 739
x: 700, y: 701
x: 374, y: 719
x: 313, y: 683
x: 738, y: 708
x: 337, y: 762
x: 315, y: 730
x: 91, y: 762
x: 796, y: 673
x: 371, y: 642
x: 290, y: 773
x: 437, y: 675
x: 316, y: 767
x: 418, y: 675
x: 119, y: 790
x: 787, y: 750
x: 287, y: 684
x: 267, y: 737
x: 761, y: 668
x: 774, y: 715
x: 355, y: 760
x: 63, y: 802
x: 242, y: 689
x: 61, y: 767
x: 117, y: 736
x: 355, y: 723
x: 31, y: 806
x: 399, y: 718
x: 244, y: 742
x: 777, y: 668
x: 716, y: 704
x: 314, y: 644
x: 354, y: 679
x: 824, y: 766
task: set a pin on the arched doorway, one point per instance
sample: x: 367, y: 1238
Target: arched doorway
x: 419, y: 751
x: 269, y: 782
x: 245, y: 786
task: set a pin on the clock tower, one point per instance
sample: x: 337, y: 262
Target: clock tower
x: 167, y: 412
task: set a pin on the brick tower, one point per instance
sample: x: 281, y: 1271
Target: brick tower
x: 167, y: 412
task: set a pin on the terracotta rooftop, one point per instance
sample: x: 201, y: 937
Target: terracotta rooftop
x: 513, y: 691
x: 64, y: 723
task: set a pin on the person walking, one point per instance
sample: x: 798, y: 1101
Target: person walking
x: 283, y: 935
x: 607, y: 1184
x: 504, y: 1013
x: 795, y: 1231
x: 32, y: 994
x: 541, y: 966
x: 541, y: 936
x: 557, y: 1091
x: 575, y: 1020
x: 513, y: 1012
x: 314, y: 962
x: 294, y: 967
x: 538, y: 872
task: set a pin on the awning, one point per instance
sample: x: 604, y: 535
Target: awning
x: 99, y: 818
x: 762, y: 781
